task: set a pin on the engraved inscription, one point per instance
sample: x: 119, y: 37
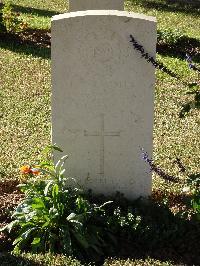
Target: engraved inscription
x: 103, y: 52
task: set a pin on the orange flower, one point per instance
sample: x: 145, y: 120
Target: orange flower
x: 35, y: 171
x: 25, y: 169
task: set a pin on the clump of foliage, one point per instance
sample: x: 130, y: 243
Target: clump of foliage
x: 169, y: 36
x: 193, y: 182
x: 10, y: 21
x: 56, y: 216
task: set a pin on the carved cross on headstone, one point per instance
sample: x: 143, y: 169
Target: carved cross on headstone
x: 78, y: 5
x: 102, y: 134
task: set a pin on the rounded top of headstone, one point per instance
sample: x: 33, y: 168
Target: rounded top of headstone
x: 80, y: 5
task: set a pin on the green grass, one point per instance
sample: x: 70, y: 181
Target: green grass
x: 28, y: 259
x: 25, y: 113
x: 24, y: 109
x: 50, y: 260
x: 38, y: 13
x: 171, y: 16
x: 25, y: 92
x: 175, y: 137
x: 146, y: 262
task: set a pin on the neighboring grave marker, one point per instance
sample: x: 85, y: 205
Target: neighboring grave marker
x: 102, y: 98
x: 77, y: 5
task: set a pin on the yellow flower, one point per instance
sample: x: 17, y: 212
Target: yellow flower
x: 25, y: 169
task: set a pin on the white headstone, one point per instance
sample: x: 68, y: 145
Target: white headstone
x: 102, y: 98
x: 77, y: 5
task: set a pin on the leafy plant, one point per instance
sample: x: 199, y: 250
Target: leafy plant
x: 169, y: 36
x: 10, y: 21
x: 55, y: 215
x: 124, y: 223
x: 193, y: 186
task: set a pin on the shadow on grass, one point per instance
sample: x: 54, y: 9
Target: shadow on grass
x: 179, y: 48
x: 7, y: 259
x: 32, y: 42
x: 190, y: 105
x: 33, y: 11
x: 160, y: 234
x: 165, y: 237
x: 171, y: 6
x: 37, y: 42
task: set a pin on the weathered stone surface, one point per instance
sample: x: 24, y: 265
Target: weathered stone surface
x: 78, y: 5
x: 102, y: 98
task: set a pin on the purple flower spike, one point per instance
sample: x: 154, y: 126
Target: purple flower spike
x: 156, y: 169
x: 191, y: 65
x: 188, y: 58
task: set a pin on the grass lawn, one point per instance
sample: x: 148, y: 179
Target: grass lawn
x: 25, y: 90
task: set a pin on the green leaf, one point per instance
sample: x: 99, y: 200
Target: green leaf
x: 36, y: 241
x: 56, y: 148
x: 46, y: 224
x: 57, y: 164
x: 38, y: 204
x: 64, y: 158
x: 62, y: 172
x: 46, y: 163
x: 75, y: 218
x: 61, y: 208
x: 46, y: 190
x: 26, y: 234
x: 55, y: 191
x: 106, y: 203
x: 27, y: 217
x: 17, y: 240
x: 16, y: 250
x: 49, y: 172
x: 27, y: 225
x: 49, y: 148
x: 72, y: 216
x: 53, y: 212
x: 46, y: 217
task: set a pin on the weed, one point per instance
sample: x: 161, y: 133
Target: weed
x: 11, y: 20
x: 169, y: 36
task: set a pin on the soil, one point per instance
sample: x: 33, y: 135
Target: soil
x: 10, y: 197
x: 35, y: 37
